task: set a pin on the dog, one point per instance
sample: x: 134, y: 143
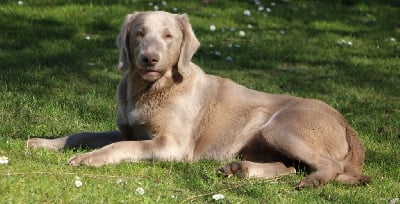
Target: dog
x: 169, y: 109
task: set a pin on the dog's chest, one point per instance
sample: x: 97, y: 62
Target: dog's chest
x: 147, y: 108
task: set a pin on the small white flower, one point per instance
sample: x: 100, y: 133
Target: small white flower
x: 230, y: 45
x: 87, y: 37
x: 139, y: 191
x: 119, y: 181
x: 273, y: 4
x: 217, y: 53
x: 268, y: 10
x: 393, y: 39
x: 78, y: 182
x: 229, y: 59
x: 246, y: 13
x: 282, y: 32
x: 3, y: 160
x: 210, y: 45
x: 242, y: 33
x: 173, y: 196
x: 237, y: 46
x: 175, y: 9
x: 150, y: 3
x: 261, y: 8
x: 345, y: 42
x: 218, y: 197
x: 394, y: 200
x: 212, y: 27
x: 20, y: 3
x: 164, y: 3
x: 249, y: 26
x: 156, y: 8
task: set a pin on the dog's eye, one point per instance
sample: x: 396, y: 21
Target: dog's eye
x: 168, y: 36
x: 139, y: 33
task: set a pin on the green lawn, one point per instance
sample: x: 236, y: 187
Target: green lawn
x: 58, y: 74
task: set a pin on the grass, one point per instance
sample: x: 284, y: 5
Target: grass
x: 54, y: 81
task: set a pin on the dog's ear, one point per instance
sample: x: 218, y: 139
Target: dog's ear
x: 189, y: 46
x: 124, y: 58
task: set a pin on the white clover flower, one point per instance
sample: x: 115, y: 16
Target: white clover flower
x: 260, y: 8
x: 230, y: 45
x: 282, y: 32
x: 242, y: 33
x: 139, y: 191
x: 246, y: 13
x: 78, y: 182
x: 3, y: 160
x: 87, y: 37
x: 218, y: 196
x: 268, y: 10
x: 212, y: 27
x: 164, y: 3
x: 273, y: 4
x: 229, y: 59
x: 210, y: 45
x: 150, y: 3
x: 237, y: 46
x: 20, y: 3
x: 156, y: 8
x: 175, y: 9
x: 217, y: 53
x: 393, y: 39
x: 349, y: 43
x: 249, y: 26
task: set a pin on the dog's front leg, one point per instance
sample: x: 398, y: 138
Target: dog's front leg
x: 159, y: 148
x: 85, y: 139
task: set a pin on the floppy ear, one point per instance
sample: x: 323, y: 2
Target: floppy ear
x: 124, y: 58
x: 189, y: 46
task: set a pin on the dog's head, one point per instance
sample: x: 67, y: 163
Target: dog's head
x: 154, y: 43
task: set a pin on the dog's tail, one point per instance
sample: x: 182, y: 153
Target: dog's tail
x: 354, y: 161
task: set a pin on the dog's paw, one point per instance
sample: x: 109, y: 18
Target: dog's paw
x: 96, y: 158
x: 230, y: 170
x: 87, y: 159
x: 309, y: 181
x: 41, y: 143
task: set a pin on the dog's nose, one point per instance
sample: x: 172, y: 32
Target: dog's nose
x: 150, y: 59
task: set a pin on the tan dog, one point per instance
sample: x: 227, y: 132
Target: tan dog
x: 169, y: 109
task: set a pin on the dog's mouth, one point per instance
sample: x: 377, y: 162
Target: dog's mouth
x: 151, y: 73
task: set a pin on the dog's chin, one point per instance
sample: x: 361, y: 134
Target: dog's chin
x: 150, y: 75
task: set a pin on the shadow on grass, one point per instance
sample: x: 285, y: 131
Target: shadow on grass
x: 41, y: 53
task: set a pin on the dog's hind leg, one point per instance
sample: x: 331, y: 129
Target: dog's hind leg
x: 311, y: 137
